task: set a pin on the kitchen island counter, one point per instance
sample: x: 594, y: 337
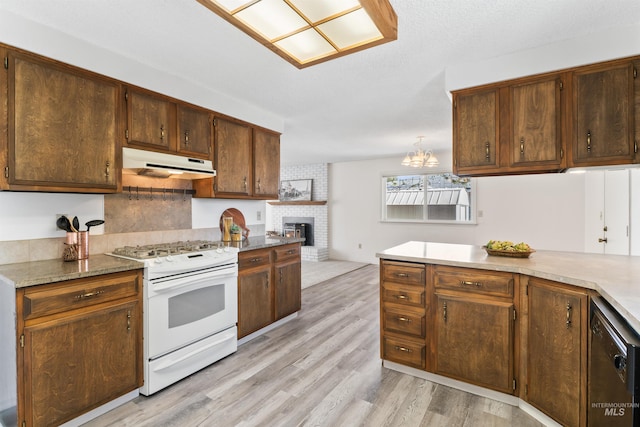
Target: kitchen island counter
x: 615, y: 277
x: 23, y: 274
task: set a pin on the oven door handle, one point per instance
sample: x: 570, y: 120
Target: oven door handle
x: 171, y: 362
x: 182, y: 282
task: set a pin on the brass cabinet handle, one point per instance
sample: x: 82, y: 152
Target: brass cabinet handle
x: 291, y: 251
x: 402, y: 296
x: 128, y: 320
x: 89, y: 294
x: 258, y: 184
x: 601, y: 240
x: 245, y: 183
x: 468, y: 283
x: 487, y: 152
x: 569, y: 314
x: 522, y: 146
x: 404, y: 319
x: 588, y: 141
x: 255, y: 260
x: 444, y: 311
x: 107, y: 172
x: 161, y: 131
x: 405, y: 349
x: 186, y: 137
x: 402, y: 275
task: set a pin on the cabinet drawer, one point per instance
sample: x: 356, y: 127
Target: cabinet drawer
x: 404, y: 320
x: 405, y: 351
x: 403, y: 294
x: 50, y: 299
x: 286, y: 252
x: 404, y: 272
x: 496, y: 283
x: 254, y: 258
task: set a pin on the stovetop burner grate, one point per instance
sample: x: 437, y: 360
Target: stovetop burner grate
x: 166, y: 249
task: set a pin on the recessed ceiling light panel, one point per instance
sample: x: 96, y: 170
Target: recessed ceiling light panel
x: 307, y: 32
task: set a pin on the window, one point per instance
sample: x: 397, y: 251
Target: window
x: 417, y: 198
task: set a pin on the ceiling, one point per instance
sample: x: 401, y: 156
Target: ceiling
x: 371, y: 104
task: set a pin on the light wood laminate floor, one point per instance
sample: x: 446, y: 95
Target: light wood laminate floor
x: 321, y: 369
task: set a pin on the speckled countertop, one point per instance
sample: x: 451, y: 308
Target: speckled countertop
x: 261, y: 242
x: 20, y: 275
x: 33, y: 273
x: 615, y: 277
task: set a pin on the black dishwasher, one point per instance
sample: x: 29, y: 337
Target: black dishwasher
x: 614, y: 371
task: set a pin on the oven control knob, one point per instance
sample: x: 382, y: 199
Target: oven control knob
x: 158, y: 261
x: 219, y: 250
x: 169, y: 258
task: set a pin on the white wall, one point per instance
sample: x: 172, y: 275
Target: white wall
x: 545, y: 211
x: 604, y: 45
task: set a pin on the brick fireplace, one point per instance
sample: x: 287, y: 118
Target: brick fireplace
x: 315, y: 214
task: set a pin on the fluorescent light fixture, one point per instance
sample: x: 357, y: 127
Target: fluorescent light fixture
x: 308, y: 32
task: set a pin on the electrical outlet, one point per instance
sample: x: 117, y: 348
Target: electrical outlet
x: 259, y: 215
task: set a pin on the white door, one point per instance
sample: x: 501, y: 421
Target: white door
x: 607, y: 212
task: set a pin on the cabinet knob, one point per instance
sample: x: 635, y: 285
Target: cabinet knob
x: 601, y: 240
x: 186, y: 137
x: 522, y: 146
x: 107, y: 171
x: 569, y: 308
x: 402, y: 297
x: 404, y: 319
x: 589, y: 141
x: 487, y: 151
x: 162, y: 132
x: 405, y: 349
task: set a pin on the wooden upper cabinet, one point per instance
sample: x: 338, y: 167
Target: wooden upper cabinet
x: 62, y: 127
x: 150, y: 121
x: 266, y: 164
x: 194, y: 132
x: 232, y: 157
x: 603, y: 107
x: 475, y: 132
x: 536, y: 132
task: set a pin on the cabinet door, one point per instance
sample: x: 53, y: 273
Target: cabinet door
x: 475, y: 133
x: 266, y: 164
x: 556, y: 351
x: 62, y: 127
x: 603, y: 111
x: 254, y: 300
x: 474, y: 341
x: 150, y: 121
x: 194, y: 132
x: 288, y: 287
x: 536, y: 125
x: 232, y: 148
x: 77, y: 363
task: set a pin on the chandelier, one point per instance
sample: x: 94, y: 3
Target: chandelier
x: 420, y: 158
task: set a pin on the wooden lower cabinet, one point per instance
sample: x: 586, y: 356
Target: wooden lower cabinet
x: 512, y: 333
x: 474, y: 326
x: 79, y: 346
x: 255, y: 294
x: 269, y: 286
x: 403, y: 313
x: 556, y: 349
x: 474, y: 341
x: 287, y: 273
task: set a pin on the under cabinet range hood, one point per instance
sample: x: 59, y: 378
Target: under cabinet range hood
x: 163, y: 165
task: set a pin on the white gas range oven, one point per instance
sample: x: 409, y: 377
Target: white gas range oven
x: 190, y: 307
